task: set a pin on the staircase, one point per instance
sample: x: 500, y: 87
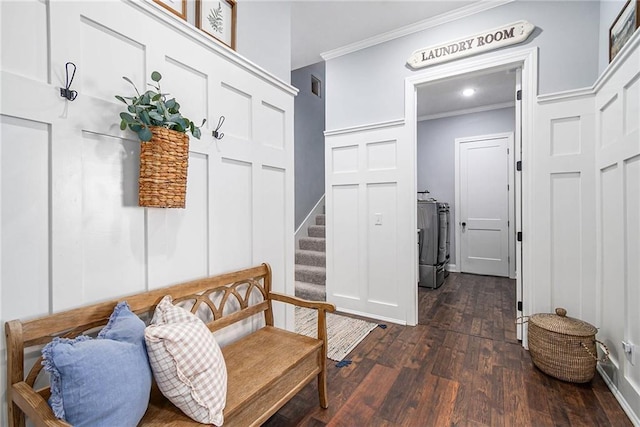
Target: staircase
x: 311, y: 274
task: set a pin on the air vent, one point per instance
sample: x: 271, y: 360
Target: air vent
x: 316, y: 86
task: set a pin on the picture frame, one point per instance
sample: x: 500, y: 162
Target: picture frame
x: 177, y: 7
x: 217, y: 18
x: 623, y: 27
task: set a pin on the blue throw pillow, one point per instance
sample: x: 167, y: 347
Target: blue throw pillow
x: 104, y: 381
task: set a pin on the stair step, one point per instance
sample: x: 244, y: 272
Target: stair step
x: 312, y: 244
x: 316, y: 231
x: 311, y: 291
x: 314, y: 258
x: 311, y: 274
x: 321, y: 219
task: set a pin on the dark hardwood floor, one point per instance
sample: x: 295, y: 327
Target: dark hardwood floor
x: 461, y: 366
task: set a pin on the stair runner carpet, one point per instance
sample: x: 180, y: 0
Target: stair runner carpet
x: 310, y: 268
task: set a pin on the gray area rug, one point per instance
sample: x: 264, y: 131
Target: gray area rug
x: 344, y: 333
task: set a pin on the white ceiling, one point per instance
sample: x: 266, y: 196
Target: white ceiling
x: 494, y: 89
x: 323, y: 26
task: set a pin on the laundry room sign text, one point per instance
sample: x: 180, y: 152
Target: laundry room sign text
x: 506, y: 35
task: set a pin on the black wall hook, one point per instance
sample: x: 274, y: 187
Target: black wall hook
x: 215, y: 133
x: 66, y: 92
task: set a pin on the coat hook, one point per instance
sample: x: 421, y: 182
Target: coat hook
x: 66, y: 92
x: 215, y: 133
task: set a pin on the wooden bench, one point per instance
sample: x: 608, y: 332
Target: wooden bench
x: 265, y: 368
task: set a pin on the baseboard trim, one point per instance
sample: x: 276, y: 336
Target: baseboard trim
x: 370, y: 316
x: 452, y: 268
x: 633, y: 417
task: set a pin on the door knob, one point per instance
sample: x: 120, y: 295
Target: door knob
x: 463, y: 224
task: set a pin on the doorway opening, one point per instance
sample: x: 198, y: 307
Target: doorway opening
x: 520, y: 67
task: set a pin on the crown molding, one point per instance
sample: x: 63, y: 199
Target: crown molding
x: 463, y: 12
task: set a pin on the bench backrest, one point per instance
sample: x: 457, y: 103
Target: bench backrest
x: 246, y: 292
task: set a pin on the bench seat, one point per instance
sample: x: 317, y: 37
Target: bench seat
x: 265, y: 368
x: 255, y: 366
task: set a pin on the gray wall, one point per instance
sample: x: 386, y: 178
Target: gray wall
x: 309, y: 137
x: 259, y: 40
x: 368, y: 86
x: 436, y: 152
x: 609, y: 10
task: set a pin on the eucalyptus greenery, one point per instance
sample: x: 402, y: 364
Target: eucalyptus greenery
x: 215, y: 19
x: 153, y: 109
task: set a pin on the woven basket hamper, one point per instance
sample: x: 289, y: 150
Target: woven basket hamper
x: 563, y: 347
x: 163, y: 169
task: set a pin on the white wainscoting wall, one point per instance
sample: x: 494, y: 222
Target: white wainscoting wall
x: 617, y: 147
x: 587, y: 214
x: 371, y: 231
x: 71, y: 232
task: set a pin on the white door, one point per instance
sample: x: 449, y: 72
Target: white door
x: 483, y: 204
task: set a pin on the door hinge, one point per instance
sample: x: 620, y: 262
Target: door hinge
x: 519, y: 236
x: 519, y: 165
x: 519, y: 305
x: 519, y: 95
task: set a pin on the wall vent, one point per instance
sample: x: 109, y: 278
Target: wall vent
x: 316, y: 86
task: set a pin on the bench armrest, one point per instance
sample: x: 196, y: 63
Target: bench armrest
x: 318, y: 305
x: 34, y: 406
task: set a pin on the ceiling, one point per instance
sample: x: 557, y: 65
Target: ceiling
x: 493, y: 89
x: 322, y: 26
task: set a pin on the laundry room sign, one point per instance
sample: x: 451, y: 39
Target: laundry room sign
x: 506, y: 35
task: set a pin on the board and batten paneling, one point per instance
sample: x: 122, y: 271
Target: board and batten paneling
x: 617, y: 122
x: 369, y: 205
x: 563, y: 216
x: 586, y: 214
x: 71, y: 232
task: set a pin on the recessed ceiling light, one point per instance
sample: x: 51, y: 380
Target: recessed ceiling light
x: 468, y: 92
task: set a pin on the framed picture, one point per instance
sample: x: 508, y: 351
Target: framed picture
x: 623, y: 27
x: 218, y: 19
x: 179, y: 7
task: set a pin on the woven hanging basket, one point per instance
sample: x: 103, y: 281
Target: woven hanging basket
x: 163, y: 169
x: 564, y: 347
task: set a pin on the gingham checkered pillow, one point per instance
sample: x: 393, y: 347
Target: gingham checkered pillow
x: 187, y: 363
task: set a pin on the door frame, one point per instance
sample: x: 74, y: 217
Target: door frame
x: 511, y: 223
x: 527, y: 60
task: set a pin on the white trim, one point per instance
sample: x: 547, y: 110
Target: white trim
x: 169, y: 19
x: 364, y: 128
x: 559, y: 96
x: 372, y: 317
x: 619, y: 397
x: 453, y: 268
x: 468, y: 111
x: 527, y: 58
x: 463, y: 12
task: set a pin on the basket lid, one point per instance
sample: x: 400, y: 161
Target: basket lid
x: 560, y: 323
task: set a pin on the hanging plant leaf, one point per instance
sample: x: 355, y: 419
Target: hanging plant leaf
x: 152, y: 109
x: 145, y: 134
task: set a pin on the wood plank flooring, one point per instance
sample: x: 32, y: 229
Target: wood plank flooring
x: 461, y: 366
